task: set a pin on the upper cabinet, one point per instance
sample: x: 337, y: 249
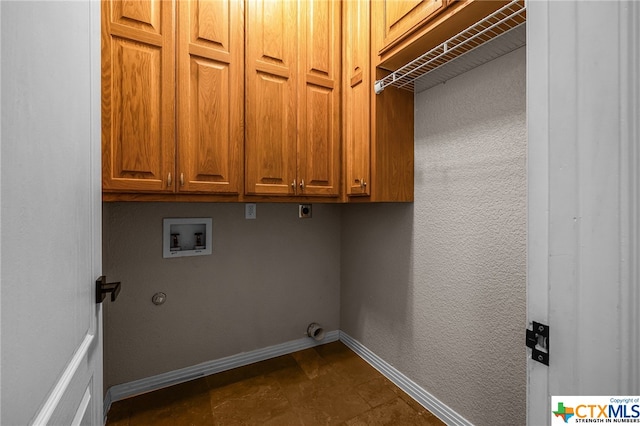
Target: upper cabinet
x: 271, y: 106
x: 138, y: 89
x: 161, y: 134
x: 255, y: 100
x: 292, y: 140
x: 401, y: 17
x: 406, y: 29
x: 210, y: 92
x: 378, y: 129
x: 357, y: 98
x: 319, y: 59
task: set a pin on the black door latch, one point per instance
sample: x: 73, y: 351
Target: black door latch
x: 102, y: 288
x: 538, y: 341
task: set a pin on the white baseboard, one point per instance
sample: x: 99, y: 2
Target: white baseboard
x: 424, y: 398
x: 137, y: 387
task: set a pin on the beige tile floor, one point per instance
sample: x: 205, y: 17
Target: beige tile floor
x: 325, y: 385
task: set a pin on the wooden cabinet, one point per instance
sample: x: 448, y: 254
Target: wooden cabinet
x: 357, y: 98
x: 292, y: 140
x: 391, y: 143
x: 378, y: 129
x: 162, y: 134
x: 138, y: 87
x: 187, y: 115
x: 404, y: 30
x: 210, y: 91
x: 319, y: 98
x: 271, y: 82
x: 401, y: 17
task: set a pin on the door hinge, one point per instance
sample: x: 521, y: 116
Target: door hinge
x: 538, y: 341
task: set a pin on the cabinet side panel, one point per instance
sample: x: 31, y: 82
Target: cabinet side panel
x: 392, y: 158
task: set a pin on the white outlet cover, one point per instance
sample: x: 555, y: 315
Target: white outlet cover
x: 250, y: 211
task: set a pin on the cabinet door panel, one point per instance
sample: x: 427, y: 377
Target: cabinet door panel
x: 357, y: 98
x: 270, y: 139
x: 139, y: 14
x: 214, y: 23
x: 210, y: 92
x: 401, y: 17
x: 320, y: 19
x: 270, y: 166
x: 319, y: 99
x: 318, y: 160
x: 358, y: 142
x: 138, y: 85
x: 136, y: 109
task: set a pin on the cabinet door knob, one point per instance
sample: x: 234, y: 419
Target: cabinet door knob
x: 181, y: 179
x: 169, y: 180
x: 302, y: 184
x: 364, y: 184
x: 293, y: 185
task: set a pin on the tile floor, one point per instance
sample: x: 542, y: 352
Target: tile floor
x: 325, y: 385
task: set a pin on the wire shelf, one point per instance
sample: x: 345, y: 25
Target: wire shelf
x: 502, y: 21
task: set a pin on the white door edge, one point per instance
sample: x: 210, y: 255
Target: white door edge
x: 82, y: 409
x: 50, y: 405
x: 538, y: 197
x: 583, y: 106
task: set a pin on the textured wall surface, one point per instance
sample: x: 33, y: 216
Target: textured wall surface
x: 437, y: 288
x: 266, y: 280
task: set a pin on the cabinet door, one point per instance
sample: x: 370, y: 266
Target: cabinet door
x: 210, y: 94
x: 270, y: 139
x: 319, y: 98
x: 400, y: 17
x: 138, y: 86
x: 357, y: 84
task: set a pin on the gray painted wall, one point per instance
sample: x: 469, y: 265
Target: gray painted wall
x: 437, y: 288
x: 266, y: 280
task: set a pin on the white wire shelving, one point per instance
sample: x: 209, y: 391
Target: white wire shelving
x: 497, y: 25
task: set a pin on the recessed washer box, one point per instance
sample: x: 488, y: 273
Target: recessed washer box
x: 186, y: 237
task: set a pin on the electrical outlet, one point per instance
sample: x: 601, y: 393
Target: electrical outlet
x: 250, y: 211
x: 304, y: 211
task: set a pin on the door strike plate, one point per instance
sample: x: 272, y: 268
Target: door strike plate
x: 538, y: 341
